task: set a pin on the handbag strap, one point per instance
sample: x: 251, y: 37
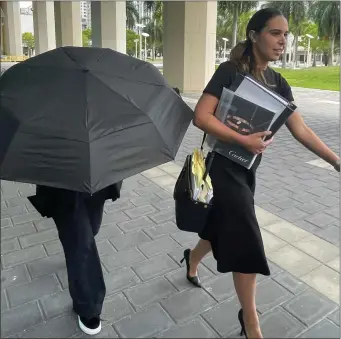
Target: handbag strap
x: 209, y: 158
x: 203, y: 141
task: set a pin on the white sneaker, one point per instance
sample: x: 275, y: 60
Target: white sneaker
x: 90, y: 326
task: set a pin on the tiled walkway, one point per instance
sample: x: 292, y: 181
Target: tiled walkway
x: 140, y: 247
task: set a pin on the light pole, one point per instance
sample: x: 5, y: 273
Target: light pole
x: 140, y: 26
x: 136, y: 41
x: 145, y: 44
x: 308, y: 52
x: 225, y: 40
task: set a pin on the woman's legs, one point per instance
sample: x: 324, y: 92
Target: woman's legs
x: 245, y: 285
x: 197, y: 254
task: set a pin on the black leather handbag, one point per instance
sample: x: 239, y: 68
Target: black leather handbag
x: 191, y: 215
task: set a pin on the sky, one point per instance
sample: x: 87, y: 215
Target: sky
x: 26, y: 20
x: 24, y: 4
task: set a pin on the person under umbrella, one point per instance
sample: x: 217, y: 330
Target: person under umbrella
x: 76, y: 122
x: 78, y: 217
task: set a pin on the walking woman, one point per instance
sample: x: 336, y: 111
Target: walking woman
x: 78, y: 217
x: 232, y: 232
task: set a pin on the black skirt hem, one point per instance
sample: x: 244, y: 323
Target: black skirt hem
x: 238, y: 270
x: 221, y: 268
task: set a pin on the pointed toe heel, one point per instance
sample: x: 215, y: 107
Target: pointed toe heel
x: 242, y: 325
x: 193, y: 280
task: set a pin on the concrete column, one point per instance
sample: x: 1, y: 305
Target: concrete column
x: 12, y: 42
x: 68, y: 23
x: 108, y: 23
x: 189, y: 43
x: 2, y: 33
x: 44, y: 26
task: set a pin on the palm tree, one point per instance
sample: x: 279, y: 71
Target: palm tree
x: 225, y: 26
x: 317, y: 45
x: 132, y: 14
x: 155, y: 31
x: 224, y: 30
x: 326, y: 14
x: 243, y: 21
x: 236, y: 8
x: 154, y: 23
x: 296, y: 13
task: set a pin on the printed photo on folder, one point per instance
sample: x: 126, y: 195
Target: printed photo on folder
x: 248, y: 107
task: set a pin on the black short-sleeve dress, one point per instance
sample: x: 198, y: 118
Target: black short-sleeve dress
x: 232, y: 228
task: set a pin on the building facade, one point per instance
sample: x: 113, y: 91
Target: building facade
x: 85, y: 14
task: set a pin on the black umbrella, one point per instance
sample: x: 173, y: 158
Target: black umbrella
x: 84, y: 118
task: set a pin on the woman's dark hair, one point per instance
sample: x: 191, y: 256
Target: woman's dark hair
x: 242, y: 54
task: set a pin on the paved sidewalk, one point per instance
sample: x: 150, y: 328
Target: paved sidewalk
x: 140, y: 247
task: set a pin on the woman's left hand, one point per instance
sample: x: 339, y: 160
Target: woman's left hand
x: 337, y: 165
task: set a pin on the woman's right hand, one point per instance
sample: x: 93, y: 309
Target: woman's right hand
x: 254, y: 143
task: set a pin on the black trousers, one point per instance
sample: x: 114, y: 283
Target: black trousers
x: 77, y: 228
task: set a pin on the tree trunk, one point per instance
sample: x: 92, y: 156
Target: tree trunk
x: 153, y: 48
x: 331, y: 51
x: 291, y: 53
x: 295, y: 49
x: 325, y: 58
x: 153, y: 51
x: 284, y: 56
x: 235, y: 24
x: 314, y: 61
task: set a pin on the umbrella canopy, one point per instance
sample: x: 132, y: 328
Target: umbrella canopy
x: 84, y: 118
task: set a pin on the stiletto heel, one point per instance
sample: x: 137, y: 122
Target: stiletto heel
x: 241, y: 320
x: 193, y: 280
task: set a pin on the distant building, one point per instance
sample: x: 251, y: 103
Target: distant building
x: 26, y: 10
x: 86, y: 14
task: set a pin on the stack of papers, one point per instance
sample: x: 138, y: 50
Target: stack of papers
x: 202, y: 189
x: 248, y: 107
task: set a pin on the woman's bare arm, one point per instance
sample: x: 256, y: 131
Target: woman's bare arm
x: 303, y: 134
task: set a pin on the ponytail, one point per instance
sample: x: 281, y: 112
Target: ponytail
x: 243, y: 57
x: 240, y: 55
x: 238, y: 52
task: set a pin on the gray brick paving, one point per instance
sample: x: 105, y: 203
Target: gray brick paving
x: 335, y: 317
x: 149, y: 292
x: 140, y: 247
x: 115, y: 308
x: 196, y: 328
x: 119, y: 279
x: 280, y: 324
x: 220, y: 287
x: 324, y: 329
x: 309, y: 306
x: 291, y: 283
x: 144, y: 323
x: 270, y: 294
x: 21, y: 294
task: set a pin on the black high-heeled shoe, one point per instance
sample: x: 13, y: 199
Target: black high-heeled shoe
x: 193, y: 280
x: 241, y: 320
